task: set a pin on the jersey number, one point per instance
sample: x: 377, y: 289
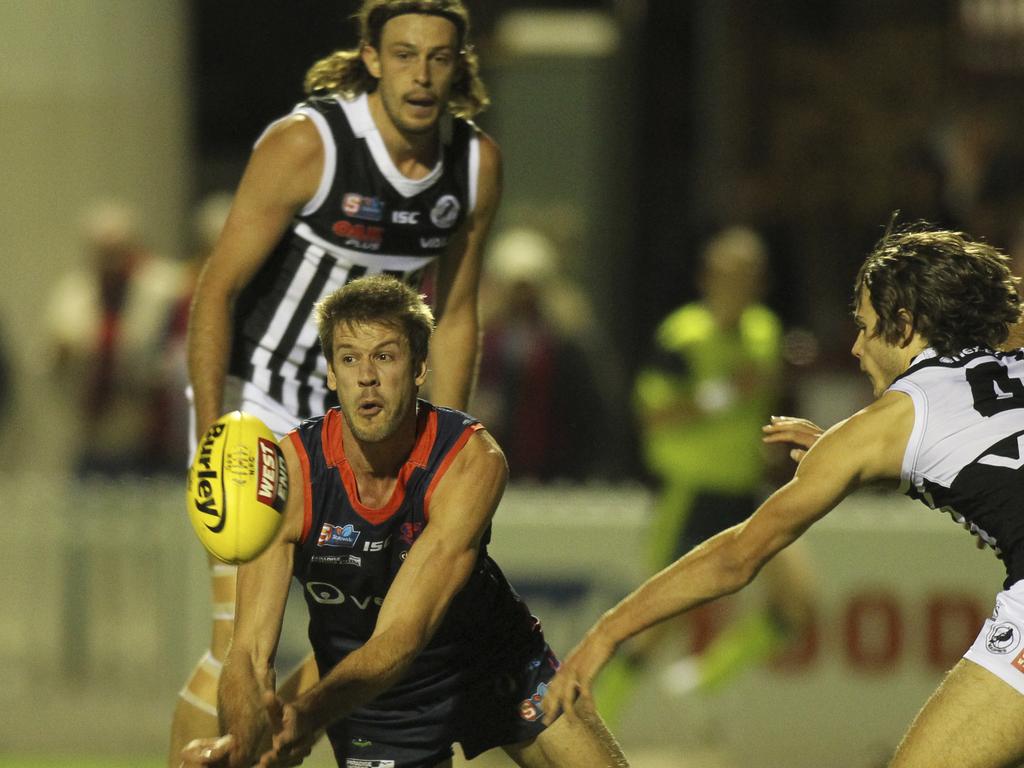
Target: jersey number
x: 993, y: 389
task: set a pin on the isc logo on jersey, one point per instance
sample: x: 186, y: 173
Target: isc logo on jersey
x: 237, y: 488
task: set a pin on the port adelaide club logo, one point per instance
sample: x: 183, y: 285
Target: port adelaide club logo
x: 1004, y: 637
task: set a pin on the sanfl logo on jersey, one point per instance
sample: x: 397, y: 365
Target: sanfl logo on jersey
x: 445, y: 212
x: 362, y: 207
x: 338, y: 536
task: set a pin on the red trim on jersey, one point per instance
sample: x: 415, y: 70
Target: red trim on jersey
x: 307, y: 486
x: 334, y: 452
x: 463, y: 439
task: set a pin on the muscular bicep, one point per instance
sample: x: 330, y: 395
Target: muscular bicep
x: 441, y: 561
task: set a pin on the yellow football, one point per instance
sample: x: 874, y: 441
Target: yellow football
x: 237, y: 488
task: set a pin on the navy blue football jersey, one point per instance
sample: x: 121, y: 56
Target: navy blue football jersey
x: 349, y: 555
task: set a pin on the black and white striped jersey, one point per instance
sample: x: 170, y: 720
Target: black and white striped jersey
x: 366, y: 218
x: 965, y: 455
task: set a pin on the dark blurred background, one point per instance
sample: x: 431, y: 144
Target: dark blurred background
x: 632, y: 130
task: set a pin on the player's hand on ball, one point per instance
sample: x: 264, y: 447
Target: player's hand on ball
x: 789, y: 429
x: 572, y: 686
x: 215, y: 752
x: 293, y: 737
x: 237, y: 488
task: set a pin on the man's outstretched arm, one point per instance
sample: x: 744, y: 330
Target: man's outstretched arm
x: 866, y: 447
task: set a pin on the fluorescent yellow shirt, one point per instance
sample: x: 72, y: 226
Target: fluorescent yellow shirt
x: 726, y: 382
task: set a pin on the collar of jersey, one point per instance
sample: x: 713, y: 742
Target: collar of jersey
x: 358, y: 112
x: 334, y: 453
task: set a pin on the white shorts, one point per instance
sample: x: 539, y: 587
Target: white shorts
x: 999, y: 647
x: 242, y: 396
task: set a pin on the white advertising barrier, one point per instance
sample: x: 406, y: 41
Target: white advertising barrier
x: 901, y: 593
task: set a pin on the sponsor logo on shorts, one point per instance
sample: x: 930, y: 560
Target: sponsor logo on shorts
x: 338, y: 536
x: 362, y: 207
x: 1003, y: 638
x: 1018, y: 663
x: 530, y: 709
x: 359, y: 762
x: 445, y: 211
x: 361, y: 743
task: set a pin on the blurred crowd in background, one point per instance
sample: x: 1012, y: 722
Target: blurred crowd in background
x: 805, y: 124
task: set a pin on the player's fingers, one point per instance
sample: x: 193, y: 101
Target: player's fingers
x: 797, y: 454
x: 206, y: 751
x: 275, y: 710
x: 557, y: 699
x: 800, y: 437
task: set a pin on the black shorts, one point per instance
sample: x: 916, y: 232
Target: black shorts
x: 500, y: 704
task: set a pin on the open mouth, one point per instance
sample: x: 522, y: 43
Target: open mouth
x: 370, y: 408
x: 423, y: 102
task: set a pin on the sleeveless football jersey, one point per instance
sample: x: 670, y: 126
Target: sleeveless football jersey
x: 349, y: 555
x: 366, y: 218
x: 966, y: 450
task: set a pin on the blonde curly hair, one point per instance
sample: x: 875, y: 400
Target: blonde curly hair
x: 344, y: 72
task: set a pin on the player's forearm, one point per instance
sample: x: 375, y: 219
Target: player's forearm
x: 358, y: 679
x: 453, y: 360
x: 240, y: 709
x: 708, y: 572
x: 209, y: 340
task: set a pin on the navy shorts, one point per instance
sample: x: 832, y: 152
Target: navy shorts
x: 500, y: 703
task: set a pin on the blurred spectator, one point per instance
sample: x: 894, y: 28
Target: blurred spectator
x: 208, y: 219
x: 712, y: 381
x: 537, y: 390
x: 107, y: 322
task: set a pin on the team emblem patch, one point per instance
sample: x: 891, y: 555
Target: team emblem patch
x: 445, y: 212
x: 1003, y: 638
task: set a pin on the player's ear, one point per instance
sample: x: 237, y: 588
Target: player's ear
x: 371, y: 60
x: 905, y: 327
x: 421, y: 375
x: 332, y: 383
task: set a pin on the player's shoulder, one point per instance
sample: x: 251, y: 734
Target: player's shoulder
x: 888, y: 420
x: 294, y: 136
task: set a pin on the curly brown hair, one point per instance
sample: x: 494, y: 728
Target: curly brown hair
x: 960, y: 292
x: 344, y: 72
x: 376, y: 299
